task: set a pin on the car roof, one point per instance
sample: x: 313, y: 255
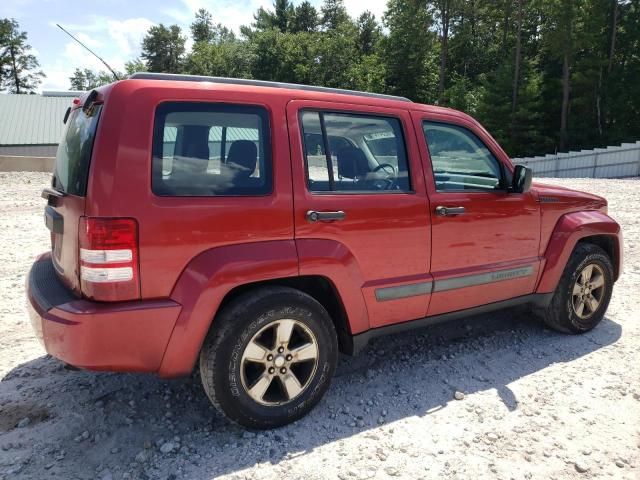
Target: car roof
x: 261, y: 83
x: 295, y: 91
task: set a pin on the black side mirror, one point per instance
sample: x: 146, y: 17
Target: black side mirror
x: 522, y: 177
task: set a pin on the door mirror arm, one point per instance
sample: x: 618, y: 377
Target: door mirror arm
x: 522, y: 178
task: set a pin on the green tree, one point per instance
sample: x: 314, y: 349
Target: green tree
x: 202, y: 29
x: 369, y: 33
x: 409, y: 51
x: 541, y: 75
x: 304, y: 18
x: 334, y: 54
x: 226, y: 58
x: 19, y: 68
x: 275, y: 58
x: 334, y: 14
x: 369, y: 74
x: 280, y: 18
x: 444, y: 12
x: 519, y: 131
x: 134, y: 66
x: 559, y: 31
x: 86, y: 79
x: 163, y: 49
x: 622, y: 122
x: 463, y: 94
x: 284, y: 11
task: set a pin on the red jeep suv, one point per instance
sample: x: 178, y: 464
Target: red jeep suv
x: 260, y: 228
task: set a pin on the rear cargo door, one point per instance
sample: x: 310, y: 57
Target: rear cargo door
x: 66, y: 197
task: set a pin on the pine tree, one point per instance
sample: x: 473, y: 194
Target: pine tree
x: 163, y: 49
x: 305, y: 18
x: 334, y: 14
x: 409, y: 51
x: 202, y: 27
x: 369, y: 33
x: 283, y: 12
x: 19, y: 69
x: 86, y: 79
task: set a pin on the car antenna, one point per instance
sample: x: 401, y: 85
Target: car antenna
x: 115, y: 75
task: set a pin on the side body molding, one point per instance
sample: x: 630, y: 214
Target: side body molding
x: 204, y: 283
x: 571, y: 228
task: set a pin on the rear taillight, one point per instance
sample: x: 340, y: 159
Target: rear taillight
x: 109, y: 258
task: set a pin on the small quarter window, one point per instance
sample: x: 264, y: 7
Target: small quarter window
x: 460, y: 160
x: 348, y: 152
x: 203, y: 149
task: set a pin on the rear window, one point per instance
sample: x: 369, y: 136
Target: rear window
x: 206, y: 149
x: 74, y: 152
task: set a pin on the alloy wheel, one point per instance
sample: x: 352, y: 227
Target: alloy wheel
x: 279, y: 362
x: 588, y: 291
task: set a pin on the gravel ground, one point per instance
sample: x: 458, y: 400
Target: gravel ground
x: 497, y: 396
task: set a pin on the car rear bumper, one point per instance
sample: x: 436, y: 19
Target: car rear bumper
x: 122, y: 336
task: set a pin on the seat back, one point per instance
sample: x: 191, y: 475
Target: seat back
x: 192, y: 156
x: 352, y: 163
x: 243, y: 158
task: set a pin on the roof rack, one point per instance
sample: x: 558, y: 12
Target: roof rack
x: 259, y: 83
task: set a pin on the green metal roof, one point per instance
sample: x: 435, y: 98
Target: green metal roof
x: 215, y: 134
x: 32, y: 119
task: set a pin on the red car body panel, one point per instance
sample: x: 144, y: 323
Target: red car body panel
x: 205, y: 282
x: 571, y: 228
x: 174, y: 230
x: 334, y: 261
x: 123, y: 336
x: 194, y: 251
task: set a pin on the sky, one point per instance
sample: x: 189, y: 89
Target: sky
x: 115, y: 28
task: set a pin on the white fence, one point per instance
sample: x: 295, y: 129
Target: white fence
x: 610, y: 162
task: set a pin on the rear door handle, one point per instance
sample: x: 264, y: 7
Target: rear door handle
x: 449, y: 211
x: 314, y: 216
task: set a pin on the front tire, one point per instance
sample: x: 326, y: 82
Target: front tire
x: 583, y: 292
x: 269, y: 357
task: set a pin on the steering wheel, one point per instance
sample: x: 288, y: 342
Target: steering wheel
x: 389, y: 182
x: 383, y: 166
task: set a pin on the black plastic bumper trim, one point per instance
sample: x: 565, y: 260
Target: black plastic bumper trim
x: 45, y: 288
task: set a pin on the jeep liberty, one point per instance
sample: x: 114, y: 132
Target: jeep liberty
x: 256, y: 229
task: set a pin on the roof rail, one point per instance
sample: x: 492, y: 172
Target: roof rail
x: 259, y: 83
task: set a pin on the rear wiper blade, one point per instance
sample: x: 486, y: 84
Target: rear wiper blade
x: 51, y: 195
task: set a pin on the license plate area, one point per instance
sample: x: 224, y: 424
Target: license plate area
x: 53, y: 220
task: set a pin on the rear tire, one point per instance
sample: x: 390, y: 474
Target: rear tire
x: 583, y: 292
x: 269, y: 357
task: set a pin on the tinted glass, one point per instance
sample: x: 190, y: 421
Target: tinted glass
x: 203, y: 149
x: 354, y: 153
x: 73, y: 157
x: 460, y: 160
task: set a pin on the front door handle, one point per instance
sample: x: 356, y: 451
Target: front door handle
x: 313, y: 216
x: 449, y: 211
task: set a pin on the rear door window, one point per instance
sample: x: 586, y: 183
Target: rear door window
x: 204, y: 149
x: 73, y: 157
